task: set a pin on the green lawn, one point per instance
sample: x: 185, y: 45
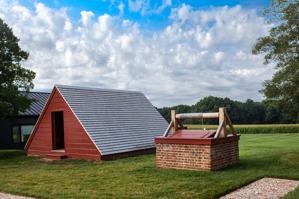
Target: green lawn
x: 293, y: 194
x: 275, y: 155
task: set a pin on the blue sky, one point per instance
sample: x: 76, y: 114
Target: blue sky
x: 175, y: 52
x: 148, y: 20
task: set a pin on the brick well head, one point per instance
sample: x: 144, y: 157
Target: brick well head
x: 195, y: 153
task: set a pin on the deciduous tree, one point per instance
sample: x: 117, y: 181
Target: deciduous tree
x: 281, y: 47
x: 13, y: 77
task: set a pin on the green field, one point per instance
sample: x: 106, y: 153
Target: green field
x: 246, y: 125
x: 273, y: 155
x: 255, y: 128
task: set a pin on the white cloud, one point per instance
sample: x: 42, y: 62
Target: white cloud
x: 199, y: 53
x: 182, y: 13
x: 86, y: 17
x: 121, y: 7
x: 138, y: 5
x: 218, y: 57
x: 165, y: 4
x: 145, y: 7
x: 246, y: 72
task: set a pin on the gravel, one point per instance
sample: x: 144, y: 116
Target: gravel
x: 265, y: 188
x: 10, y: 196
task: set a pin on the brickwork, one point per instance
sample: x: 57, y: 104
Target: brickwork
x: 225, y: 154
x: 199, y: 154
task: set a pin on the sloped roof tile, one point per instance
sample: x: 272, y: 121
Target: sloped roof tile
x: 36, y: 107
x: 117, y: 121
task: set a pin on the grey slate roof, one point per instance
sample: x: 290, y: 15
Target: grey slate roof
x: 40, y: 99
x: 117, y: 121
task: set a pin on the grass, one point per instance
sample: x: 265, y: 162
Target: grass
x: 293, y: 195
x: 272, y: 155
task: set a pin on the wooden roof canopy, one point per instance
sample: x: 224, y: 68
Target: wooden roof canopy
x: 224, y: 120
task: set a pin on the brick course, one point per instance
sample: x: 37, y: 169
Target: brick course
x: 197, y: 154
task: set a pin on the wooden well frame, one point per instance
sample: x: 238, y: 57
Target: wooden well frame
x: 222, y: 115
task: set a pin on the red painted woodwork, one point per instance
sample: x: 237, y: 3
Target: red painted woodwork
x: 57, y: 155
x: 77, y: 143
x: 193, y: 134
x: 195, y: 141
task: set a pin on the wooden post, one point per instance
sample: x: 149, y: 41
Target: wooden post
x: 222, y: 118
x: 229, y: 122
x: 174, y: 121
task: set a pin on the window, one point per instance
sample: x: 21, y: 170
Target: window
x: 16, y: 136
x: 21, y: 133
x: 25, y: 132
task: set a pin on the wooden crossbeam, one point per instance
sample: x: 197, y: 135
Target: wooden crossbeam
x: 196, y: 115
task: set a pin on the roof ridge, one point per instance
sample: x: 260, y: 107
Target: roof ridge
x: 95, y: 89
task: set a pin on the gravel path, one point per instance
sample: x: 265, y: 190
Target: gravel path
x: 265, y: 188
x: 10, y: 196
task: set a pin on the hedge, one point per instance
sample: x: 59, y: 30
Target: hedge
x: 256, y: 129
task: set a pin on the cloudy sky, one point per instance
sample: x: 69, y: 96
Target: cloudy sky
x: 175, y: 52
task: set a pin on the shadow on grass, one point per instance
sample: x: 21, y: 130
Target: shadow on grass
x: 11, y: 154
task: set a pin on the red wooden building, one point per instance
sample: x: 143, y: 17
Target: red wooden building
x: 87, y: 123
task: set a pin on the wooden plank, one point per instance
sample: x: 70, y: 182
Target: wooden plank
x: 168, y: 129
x: 230, y: 123
x: 219, y: 129
x: 174, y: 121
x: 222, y: 118
x: 196, y: 115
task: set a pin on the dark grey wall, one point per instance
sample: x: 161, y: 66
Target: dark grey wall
x: 6, y: 141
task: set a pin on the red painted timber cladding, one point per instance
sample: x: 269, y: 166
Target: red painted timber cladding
x: 195, y: 141
x: 77, y: 143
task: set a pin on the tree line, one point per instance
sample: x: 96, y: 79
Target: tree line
x: 248, y: 112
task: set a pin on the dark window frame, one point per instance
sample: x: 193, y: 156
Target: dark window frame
x: 19, y: 126
x: 19, y: 134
